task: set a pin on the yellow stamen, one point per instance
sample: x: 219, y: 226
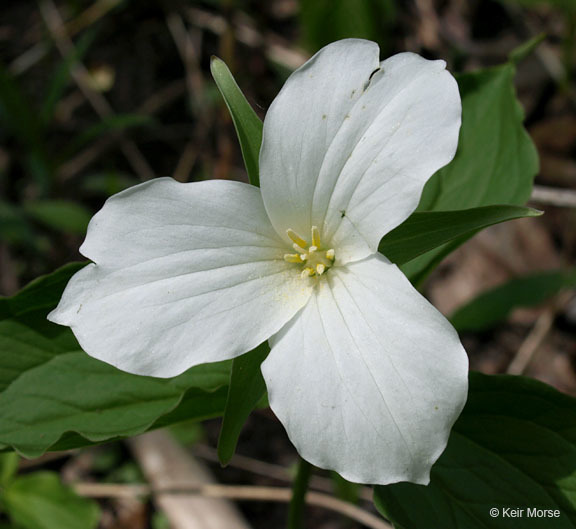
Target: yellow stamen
x: 330, y: 254
x: 299, y: 249
x: 296, y: 239
x: 307, y: 272
x: 320, y: 269
x: 292, y: 258
x: 313, y: 249
x: 315, y: 236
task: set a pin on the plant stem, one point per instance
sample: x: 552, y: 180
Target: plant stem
x: 299, y: 490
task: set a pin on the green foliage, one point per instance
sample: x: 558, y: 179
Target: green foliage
x: 491, y: 307
x: 8, y: 467
x: 496, y: 160
x: 61, y: 215
x: 513, y: 446
x: 246, y: 388
x: 40, y: 501
x: 54, y: 396
x: 345, y: 490
x: 424, y: 231
x: 518, y: 54
x: 324, y: 21
x: 247, y: 123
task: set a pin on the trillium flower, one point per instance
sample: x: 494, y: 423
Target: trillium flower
x: 365, y: 375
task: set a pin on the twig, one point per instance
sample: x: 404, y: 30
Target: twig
x: 189, y: 50
x: 537, y: 335
x: 168, y: 465
x: 275, y: 48
x: 234, y: 492
x: 81, y: 76
x: 554, y: 196
x: 151, y: 106
x: 188, y: 54
x: 270, y: 470
x: 39, y: 50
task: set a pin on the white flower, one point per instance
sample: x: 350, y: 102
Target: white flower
x: 366, y: 376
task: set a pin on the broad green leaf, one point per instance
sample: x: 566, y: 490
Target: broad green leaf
x: 325, y: 21
x: 246, y: 388
x: 62, y: 215
x: 40, y: 501
x: 424, y: 231
x: 54, y: 396
x: 496, y: 160
x: 494, y: 305
x: 513, y: 446
x: 8, y: 467
x: 247, y: 123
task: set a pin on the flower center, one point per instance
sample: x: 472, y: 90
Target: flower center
x: 314, y: 259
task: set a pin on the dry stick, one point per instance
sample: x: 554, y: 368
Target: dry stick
x: 275, y: 48
x: 554, y: 196
x: 537, y: 335
x: 39, y: 50
x: 151, y: 106
x: 195, y: 84
x: 166, y: 464
x: 235, y: 492
x: 55, y: 25
x: 270, y: 470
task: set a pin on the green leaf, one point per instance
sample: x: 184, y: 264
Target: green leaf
x: 496, y: 159
x: 246, y: 388
x: 8, y: 467
x: 344, y: 489
x: 61, y: 215
x: 40, y: 501
x: 519, y: 53
x: 424, y: 231
x: 247, y: 123
x: 513, y: 446
x: 54, y: 396
x: 493, y: 306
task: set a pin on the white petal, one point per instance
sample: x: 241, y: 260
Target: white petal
x: 369, y: 378
x: 185, y: 274
x: 350, y: 150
